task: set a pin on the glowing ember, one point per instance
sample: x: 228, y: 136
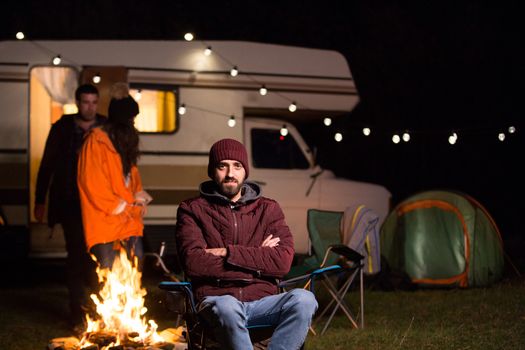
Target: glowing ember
x: 120, y: 308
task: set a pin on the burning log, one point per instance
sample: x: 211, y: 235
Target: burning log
x: 90, y: 347
x: 102, y: 338
x: 66, y: 343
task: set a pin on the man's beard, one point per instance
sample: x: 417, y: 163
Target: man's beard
x: 230, y: 187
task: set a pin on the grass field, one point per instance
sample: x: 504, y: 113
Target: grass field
x: 33, y: 307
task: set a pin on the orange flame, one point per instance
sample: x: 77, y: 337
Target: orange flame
x: 120, y: 305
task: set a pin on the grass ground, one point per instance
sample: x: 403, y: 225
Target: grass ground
x: 33, y: 309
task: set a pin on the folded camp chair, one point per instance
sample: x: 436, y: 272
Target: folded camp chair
x: 327, y: 250
x: 359, y: 231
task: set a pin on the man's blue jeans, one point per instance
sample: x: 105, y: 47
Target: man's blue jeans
x: 290, y: 312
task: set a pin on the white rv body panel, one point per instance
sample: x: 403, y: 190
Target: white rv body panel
x: 174, y: 164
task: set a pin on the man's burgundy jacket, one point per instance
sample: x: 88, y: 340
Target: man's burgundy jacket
x: 249, y: 271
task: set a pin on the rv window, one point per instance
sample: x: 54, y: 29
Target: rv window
x: 157, y: 110
x: 271, y: 150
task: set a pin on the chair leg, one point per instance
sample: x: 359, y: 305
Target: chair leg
x: 362, y: 297
x: 339, y: 292
x: 338, y: 298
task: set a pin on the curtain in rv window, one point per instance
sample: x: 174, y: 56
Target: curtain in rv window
x: 157, y: 110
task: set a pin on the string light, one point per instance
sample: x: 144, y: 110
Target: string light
x: 284, y: 130
x: 57, y: 59
x: 182, y: 109
x: 232, y: 121
x: 406, y: 137
x: 234, y: 71
x: 97, y: 78
x: 453, y: 138
x: 138, y: 95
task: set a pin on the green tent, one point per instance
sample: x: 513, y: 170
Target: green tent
x: 443, y: 238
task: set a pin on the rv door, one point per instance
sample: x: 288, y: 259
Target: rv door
x: 283, y: 166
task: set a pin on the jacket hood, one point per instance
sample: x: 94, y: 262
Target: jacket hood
x: 250, y: 192
x: 101, y: 136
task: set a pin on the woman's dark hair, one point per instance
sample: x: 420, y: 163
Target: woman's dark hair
x: 125, y: 139
x: 120, y: 126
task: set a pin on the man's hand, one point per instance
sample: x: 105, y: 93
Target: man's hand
x: 270, y: 242
x: 39, y: 211
x: 217, y: 251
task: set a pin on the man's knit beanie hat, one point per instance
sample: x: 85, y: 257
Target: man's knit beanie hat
x: 122, y: 107
x: 227, y: 149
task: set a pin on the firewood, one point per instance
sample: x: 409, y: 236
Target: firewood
x: 67, y: 343
x: 102, y: 338
x: 90, y: 347
x: 117, y: 347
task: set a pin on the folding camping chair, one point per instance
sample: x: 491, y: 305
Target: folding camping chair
x: 325, y: 237
x: 180, y: 300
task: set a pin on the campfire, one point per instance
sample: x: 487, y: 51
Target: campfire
x: 120, y: 323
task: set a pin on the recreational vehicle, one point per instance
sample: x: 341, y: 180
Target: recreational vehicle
x: 191, y: 94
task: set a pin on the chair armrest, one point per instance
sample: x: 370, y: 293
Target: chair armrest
x: 347, y: 252
x: 174, y: 286
x: 309, y: 275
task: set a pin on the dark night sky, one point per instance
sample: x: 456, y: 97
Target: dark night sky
x: 429, y: 67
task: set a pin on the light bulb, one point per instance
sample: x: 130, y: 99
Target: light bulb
x: 396, y: 138
x: 207, y: 51
x: 292, y: 107
x: 263, y: 90
x: 453, y: 138
x: 138, y: 95
x: 406, y: 136
x: 56, y: 60
x: 20, y: 35
x: 512, y: 129
x: 234, y: 71
x: 284, y: 130
x: 327, y: 121
x: 182, y: 109
x: 501, y: 136
x: 231, y: 121
x: 97, y: 78
x: 366, y: 131
x: 188, y: 36
x: 338, y: 137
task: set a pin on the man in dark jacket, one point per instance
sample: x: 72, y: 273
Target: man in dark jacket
x: 234, y: 244
x: 58, y: 174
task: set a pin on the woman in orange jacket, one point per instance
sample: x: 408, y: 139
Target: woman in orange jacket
x: 111, y: 195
